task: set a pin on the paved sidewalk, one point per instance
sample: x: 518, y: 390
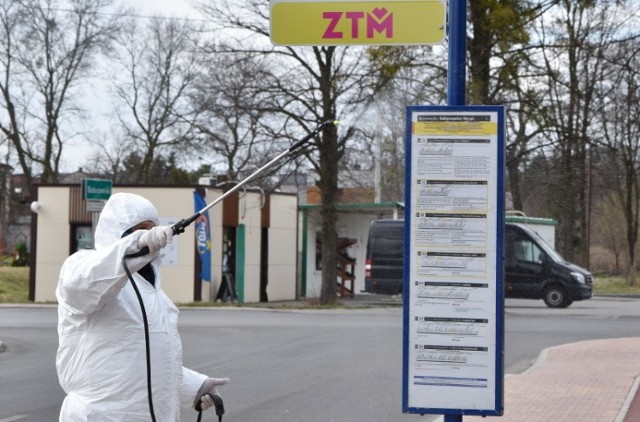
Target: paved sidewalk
x: 586, y: 381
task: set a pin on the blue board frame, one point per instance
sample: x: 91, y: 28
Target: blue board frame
x: 498, y: 405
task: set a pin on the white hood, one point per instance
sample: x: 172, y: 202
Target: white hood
x: 121, y: 212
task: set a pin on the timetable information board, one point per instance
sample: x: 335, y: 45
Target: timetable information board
x: 453, y: 320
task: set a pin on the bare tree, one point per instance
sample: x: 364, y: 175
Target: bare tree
x: 608, y: 242
x: 11, y: 16
x: 500, y: 30
x: 48, y: 48
x: 158, y: 64
x: 231, y: 117
x: 526, y: 121
x: 109, y: 159
x: 618, y: 95
x: 576, y: 36
x: 408, y: 79
x: 306, y: 86
x: 499, y: 70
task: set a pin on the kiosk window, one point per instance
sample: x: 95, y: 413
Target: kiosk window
x: 82, y: 238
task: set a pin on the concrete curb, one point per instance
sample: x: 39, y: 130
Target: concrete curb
x: 628, y: 401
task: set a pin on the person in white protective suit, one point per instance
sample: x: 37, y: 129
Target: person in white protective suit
x: 101, y: 356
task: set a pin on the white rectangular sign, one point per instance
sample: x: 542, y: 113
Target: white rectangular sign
x: 169, y: 254
x: 453, y: 290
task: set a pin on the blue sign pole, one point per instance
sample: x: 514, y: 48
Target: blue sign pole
x: 456, y: 76
x: 457, y: 52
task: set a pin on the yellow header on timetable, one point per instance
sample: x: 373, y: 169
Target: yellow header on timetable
x: 455, y: 128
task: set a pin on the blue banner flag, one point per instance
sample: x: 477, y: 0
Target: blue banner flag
x: 203, y: 237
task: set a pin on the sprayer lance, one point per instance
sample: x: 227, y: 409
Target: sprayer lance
x: 181, y: 225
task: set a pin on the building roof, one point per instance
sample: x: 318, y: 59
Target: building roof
x: 373, y: 206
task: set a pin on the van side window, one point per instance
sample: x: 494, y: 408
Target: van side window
x: 526, y: 250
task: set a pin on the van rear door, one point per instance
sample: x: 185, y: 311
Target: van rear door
x: 385, y: 256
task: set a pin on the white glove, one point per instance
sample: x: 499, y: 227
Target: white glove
x: 156, y: 238
x: 209, y: 386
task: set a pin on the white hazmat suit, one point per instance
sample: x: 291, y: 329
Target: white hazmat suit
x: 101, y: 356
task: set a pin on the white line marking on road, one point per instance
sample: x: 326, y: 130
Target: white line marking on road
x: 14, y: 418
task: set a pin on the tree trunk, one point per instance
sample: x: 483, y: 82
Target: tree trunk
x: 514, y: 183
x: 631, y: 276
x: 329, y: 187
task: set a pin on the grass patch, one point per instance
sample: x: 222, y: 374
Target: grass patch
x: 302, y: 304
x: 14, y: 284
x: 604, y: 284
x: 14, y: 288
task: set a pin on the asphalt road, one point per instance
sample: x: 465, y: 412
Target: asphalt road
x: 293, y: 366
x: 530, y: 326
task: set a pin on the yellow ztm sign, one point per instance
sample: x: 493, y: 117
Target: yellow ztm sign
x: 358, y: 22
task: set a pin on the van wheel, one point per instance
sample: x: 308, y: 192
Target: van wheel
x: 555, y: 296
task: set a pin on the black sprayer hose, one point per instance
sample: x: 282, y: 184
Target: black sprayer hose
x: 146, y: 334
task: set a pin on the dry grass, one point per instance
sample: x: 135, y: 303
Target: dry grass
x: 14, y: 288
x: 615, y: 285
x: 14, y: 284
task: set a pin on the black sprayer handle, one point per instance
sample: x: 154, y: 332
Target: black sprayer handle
x: 181, y: 225
x: 177, y: 228
x: 218, y: 404
x: 320, y: 128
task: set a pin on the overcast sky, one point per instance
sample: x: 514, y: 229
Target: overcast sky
x: 163, y: 7
x: 77, y: 150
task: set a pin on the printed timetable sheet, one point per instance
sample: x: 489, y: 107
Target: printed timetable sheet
x: 453, y: 316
